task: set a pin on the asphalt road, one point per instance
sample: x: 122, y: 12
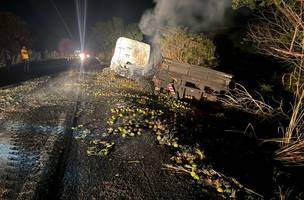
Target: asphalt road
x: 40, y: 157
x: 15, y: 74
x: 33, y: 124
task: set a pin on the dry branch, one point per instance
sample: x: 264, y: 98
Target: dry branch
x: 288, y: 53
x: 293, y: 154
x: 279, y: 32
x: 209, y: 173
x: 240, y: 98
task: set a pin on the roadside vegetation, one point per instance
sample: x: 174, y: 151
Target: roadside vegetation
x: 181, y: 44
x: 106, y: 33
x: 278, y: 32
x: 15, y: 33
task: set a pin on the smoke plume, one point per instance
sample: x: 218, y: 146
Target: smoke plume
x: 198, y: 15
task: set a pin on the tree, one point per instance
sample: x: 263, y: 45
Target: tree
x: 107, y: 33
x: 279, y: 32
x: 185, y: 46
x: 13, y: 32
x: 132, y: 31
x: 252, y: 4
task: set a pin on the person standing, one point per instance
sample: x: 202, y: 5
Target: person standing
x: 25, y: 56
x: 8, y: 59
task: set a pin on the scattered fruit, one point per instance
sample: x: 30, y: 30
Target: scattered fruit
x: 194, y: 175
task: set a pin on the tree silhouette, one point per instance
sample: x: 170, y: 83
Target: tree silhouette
x: 106, y: 33
x: 14, y: 32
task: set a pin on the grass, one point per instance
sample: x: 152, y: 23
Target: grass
x: 296, y: 124
x: 292, y: 141
x: 292, y: 151
x: 292, y: 154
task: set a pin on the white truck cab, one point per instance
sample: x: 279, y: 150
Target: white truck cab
x: 130, y: 57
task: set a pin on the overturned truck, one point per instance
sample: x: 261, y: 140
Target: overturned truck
x: 183, y: 80
x: 132, y: 59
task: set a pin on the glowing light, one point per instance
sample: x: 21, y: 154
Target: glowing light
x: 81, y: 9
x: 82, y: 56
x: 88, y: 55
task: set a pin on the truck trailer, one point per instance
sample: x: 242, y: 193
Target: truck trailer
x: 183, y: 80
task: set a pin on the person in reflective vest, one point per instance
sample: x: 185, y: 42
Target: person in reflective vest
x: 25, y: 58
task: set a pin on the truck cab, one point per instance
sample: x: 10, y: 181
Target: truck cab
x: 130, y: 57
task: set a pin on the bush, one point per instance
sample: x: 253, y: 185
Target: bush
x: 278, y: 32
x: 182, y: 45
x: 252, y: 4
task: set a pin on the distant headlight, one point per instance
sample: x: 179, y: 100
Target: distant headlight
x: 82, y: 56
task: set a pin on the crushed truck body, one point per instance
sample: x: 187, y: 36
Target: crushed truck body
x: 130, y: 57
x: 183, y: 80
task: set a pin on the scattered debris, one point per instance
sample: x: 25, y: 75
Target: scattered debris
x: 140, y: 113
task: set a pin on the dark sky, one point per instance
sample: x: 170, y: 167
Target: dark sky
x: 46, y: 23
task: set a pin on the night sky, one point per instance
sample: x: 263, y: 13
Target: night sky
x: 46, y: 24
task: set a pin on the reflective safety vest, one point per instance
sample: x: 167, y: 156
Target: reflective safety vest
x: 24, y: 54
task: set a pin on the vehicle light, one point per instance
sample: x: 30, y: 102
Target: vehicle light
x: 88, y: 55
x: 82, y: 56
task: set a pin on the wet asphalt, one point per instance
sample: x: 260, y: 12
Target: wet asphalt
x: 33, y: 132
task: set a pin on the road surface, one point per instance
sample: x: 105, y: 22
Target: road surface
x: 42, y: 157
